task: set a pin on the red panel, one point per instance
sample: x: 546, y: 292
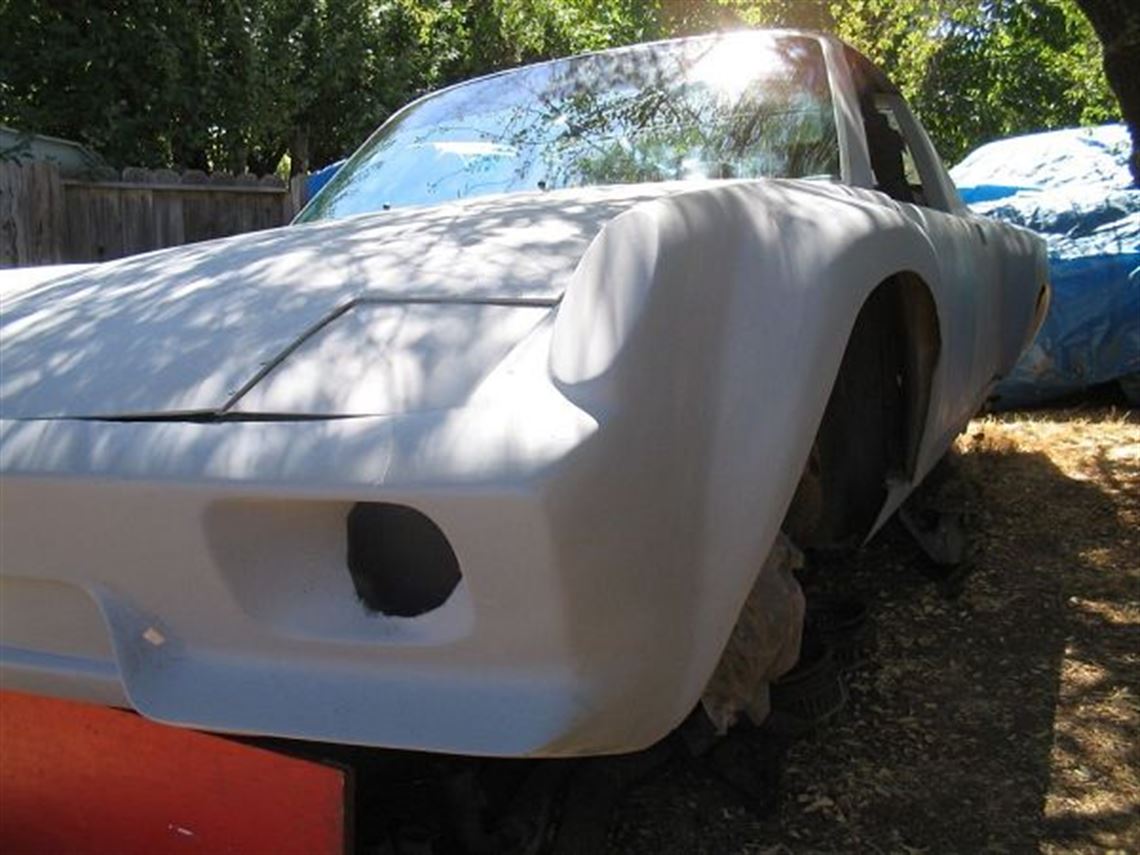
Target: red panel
x: 77, y: 778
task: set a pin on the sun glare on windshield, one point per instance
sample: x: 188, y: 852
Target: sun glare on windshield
x: 733, y: 65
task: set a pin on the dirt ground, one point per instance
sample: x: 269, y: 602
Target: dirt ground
x: 998, y: 712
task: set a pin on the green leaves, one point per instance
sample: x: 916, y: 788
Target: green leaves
x: 1010, y: 67
x: 236, y: 84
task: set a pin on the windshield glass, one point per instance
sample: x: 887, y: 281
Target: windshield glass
x: 745, y: 105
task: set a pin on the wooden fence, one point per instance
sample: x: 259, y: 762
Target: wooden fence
x: 46, y: 219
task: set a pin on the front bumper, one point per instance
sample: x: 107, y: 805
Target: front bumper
x: 197, y: 573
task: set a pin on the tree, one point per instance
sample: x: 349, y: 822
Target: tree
x: 109, y: 74
x: 1117, y: 24
x: 236, y: 84
x: 1008, y: 67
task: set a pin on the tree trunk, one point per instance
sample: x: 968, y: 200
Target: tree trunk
x: 1117, y: 25
x: 299, y: 151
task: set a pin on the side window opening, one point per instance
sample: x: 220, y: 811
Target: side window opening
x: 892, y: 160
x: 892, y: 157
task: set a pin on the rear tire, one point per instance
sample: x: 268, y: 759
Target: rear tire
x: 860, y: 439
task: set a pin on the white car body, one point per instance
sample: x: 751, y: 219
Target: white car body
x: 607, y: 421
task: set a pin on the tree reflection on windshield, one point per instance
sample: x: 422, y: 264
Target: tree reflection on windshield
x: 745, y: 105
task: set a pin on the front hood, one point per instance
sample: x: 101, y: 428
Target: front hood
x: 195, y: 329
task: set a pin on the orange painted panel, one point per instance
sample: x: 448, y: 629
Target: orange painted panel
x: 77, y: 778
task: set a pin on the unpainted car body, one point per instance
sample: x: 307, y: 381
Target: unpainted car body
x: 602, y: 399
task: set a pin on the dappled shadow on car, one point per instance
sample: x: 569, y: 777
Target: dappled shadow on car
x: 187, y: 328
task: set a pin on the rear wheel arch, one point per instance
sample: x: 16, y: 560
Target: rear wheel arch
x: 872, y: 426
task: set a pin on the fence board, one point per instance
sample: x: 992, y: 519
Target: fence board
x: 47, y: 212
x: 31, y: 214
x: 107, y: 234
x: 169, y: 221
x: 11, y: 192
x: 140, y: 229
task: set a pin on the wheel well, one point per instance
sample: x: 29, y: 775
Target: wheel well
x: 873, y: 424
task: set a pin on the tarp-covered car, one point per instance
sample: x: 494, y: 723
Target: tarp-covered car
x: 1072, y: 187
x: 485, y: 453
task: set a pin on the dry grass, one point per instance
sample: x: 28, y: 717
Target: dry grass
x: 1095, y: 757
x: 1001, y: 717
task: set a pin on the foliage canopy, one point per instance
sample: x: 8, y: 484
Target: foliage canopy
x: 237, y: 84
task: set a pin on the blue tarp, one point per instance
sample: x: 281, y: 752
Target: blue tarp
x: 1073, y: 187
x: 316, y: 180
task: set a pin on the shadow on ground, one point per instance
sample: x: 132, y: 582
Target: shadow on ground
x: 996, y: 714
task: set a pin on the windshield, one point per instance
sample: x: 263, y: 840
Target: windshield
x: 744, y: 105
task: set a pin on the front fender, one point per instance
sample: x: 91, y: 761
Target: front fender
x: 703, y: 333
